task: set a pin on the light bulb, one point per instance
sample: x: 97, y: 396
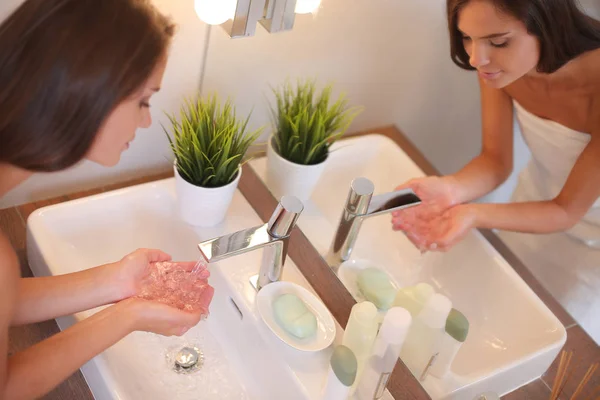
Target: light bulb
x: 215, y: 12
x: 307, y: 6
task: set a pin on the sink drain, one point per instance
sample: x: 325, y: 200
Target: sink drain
x: 186, y: 359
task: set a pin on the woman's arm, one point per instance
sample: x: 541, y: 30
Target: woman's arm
x: 37, y: 370
x: 578, y: 194
x: 495, y: 163
x: 482, y: 175
x: 9, y: 276
x: 40, y: 299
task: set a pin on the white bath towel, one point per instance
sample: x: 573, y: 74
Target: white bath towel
x: 554, y: 149
x: 566, y: 264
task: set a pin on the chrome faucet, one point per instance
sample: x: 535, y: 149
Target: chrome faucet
x: 272, y: 236
x: 361, y: 204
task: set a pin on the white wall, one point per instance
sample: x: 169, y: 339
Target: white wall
x: 390, y: 56
x: 8, y: 6
x: 149, y: 153
x: 592, y: 7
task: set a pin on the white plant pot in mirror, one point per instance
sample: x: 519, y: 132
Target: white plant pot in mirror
x: 285, y: 178
x: 203, y: 207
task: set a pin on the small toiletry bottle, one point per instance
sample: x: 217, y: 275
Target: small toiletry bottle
x: 414, y: 298
x: 386, y: 350
x: 342, y: 374
x: 457, y: 329
x: 423, y: 341
x: 360, y: 333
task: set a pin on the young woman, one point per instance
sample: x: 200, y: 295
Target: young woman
x: 538, y: 59
x: 76, y: 77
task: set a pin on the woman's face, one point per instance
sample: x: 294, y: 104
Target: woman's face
x: 498, y: 45
x: 119, y: 129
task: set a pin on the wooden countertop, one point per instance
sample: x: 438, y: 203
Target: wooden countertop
x: 402, y: 384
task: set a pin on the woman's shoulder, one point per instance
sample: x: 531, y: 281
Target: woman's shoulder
x: 586, y: 69
x: 590, y: 72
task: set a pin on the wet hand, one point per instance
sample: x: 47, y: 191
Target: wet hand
x: 155, y: 317
x: 446, y: 230
x: 437, y: 195
x: 127, y: 274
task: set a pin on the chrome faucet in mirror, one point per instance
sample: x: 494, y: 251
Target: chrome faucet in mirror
x: 361, y: 204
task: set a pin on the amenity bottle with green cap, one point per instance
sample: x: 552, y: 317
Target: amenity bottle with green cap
x: 342, y: 374
x: 386, y: 350
x: 422, y: 344
x: 414, y: 298
x: 457, y: 330
x: 360, y: 333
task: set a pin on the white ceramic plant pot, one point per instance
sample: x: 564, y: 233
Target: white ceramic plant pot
x: 285, y: 178
x: 203, y: 207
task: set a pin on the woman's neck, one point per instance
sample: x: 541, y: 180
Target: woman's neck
x: 11, y: 177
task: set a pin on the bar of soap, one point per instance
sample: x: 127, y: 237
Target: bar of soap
x: 294, y: 317
x: 377, y: 288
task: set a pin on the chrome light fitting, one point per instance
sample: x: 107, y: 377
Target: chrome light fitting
x: 239, y: 18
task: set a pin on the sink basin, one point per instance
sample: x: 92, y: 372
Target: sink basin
x: 243, y: 358
x: 513, y: 338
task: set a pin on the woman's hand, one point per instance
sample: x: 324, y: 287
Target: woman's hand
x: 437, y: 194
x: 442, y: 232
x: 128, y: 274
x: 450, y: 228
x: 155, y: 317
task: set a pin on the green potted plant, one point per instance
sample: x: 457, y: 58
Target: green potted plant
x: 306, y: 124
x: 209, y: 143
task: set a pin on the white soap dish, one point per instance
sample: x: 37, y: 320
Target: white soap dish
x: 326, y: 329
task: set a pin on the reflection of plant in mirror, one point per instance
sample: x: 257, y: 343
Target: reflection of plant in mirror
x: 305, y: 123
x: 209, y: 142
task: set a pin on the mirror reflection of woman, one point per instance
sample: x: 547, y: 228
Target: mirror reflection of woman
x: 76, y: 78
x: 538, y: 60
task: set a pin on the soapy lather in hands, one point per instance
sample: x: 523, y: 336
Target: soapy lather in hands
x: 439, y: 222
x: 168, y: 297
x: 178, y: 285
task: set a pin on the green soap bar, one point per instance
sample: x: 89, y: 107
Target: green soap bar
x: 377, y: 288
x: 294, y: 317
x: 344, y: 365
x: 457, y: 325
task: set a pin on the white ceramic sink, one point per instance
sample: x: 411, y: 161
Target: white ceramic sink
x: 243, y: 358
x: 513, y: 338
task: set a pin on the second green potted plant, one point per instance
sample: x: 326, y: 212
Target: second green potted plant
x: 209, y: 143
x: 305, y: 127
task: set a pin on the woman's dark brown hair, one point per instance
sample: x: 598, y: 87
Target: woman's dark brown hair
x: 563, y: 30
x: 64, y: 67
